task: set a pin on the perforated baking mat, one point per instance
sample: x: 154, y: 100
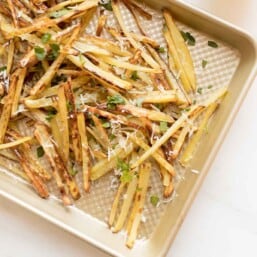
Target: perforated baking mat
x: 222, y: 63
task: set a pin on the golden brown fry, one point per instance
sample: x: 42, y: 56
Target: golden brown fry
x: 100, y: 26
x: 136, y: 213
x: 7, y: 108
x: 86, y: 165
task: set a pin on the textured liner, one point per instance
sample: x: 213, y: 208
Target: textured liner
x: 222, y: 64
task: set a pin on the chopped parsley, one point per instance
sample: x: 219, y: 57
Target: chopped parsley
x: 199, y: 90
x: 40, y: 152
x: 210, y: 86
x: 163, y: 126
x: 154, y: 199
x: 3, y: 68
x: 73, y: 172
x: 194, y: 102
x: 112, y: 137
x: 55, y: 51
x: 50, y: 114
x: 112, y: 101
x: 204, y: 63
x: 106, y: 5
x: 126, y: 175
x: 213, y: 44
x: 161, y: 50
x: 106, y: 125
x: 40, y: 53
x: 46, y: 38
x: 59, y: 13
x: 189, y: 39
x: 134, y: 76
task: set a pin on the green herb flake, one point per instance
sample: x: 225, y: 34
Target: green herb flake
x: 59, y: 13
x: 189, y: 39
x: 210, y: 86
x: 46, y: 38
x: 106, y: 125
x: 73, y: 172
x: 161, y: 50
x: 40, y: 152
x: 55, y: 51
x: 163, y: 126
x: 112, y: 137
x: 50, y: 114
x: 69, y: 106
x: 40, y: 53
x: 3, y: 68
x: 204, y: 63
x: 114, y: 100
x: 194, y: 102
x: 106, y: 5
x: 212, y: 44
x: 187, y: 109
x: 200, y: 90
x: 154, y: 199
x: 134, y: 76
x: 126, y: 175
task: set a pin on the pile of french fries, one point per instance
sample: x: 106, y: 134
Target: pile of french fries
x: 95, y: 103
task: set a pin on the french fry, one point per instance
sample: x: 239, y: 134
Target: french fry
x: 192, y: 145
x: 115, y: 204
x: 15, y: 143
x: 86, y: 165
x: 175, y: 126
x: 130, y: 192
x: 155, y: 155
x: 182, y: 50
x: 104, y: 166
x: 142, y: 112
x: 63, y: 124
x: 136, y: 213
x: 7, y: 109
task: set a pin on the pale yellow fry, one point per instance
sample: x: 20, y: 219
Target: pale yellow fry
x: 63, y: 125
x: 104, y: 166
x: 182, y: 49
x: 128, y: 66
x: 179, y: 67
x: 165, y: 96
x: 155, y: 155
x: 40, y: 103
x: 136, y: 213
x: 131, y: 190
x: 105, y: 44
x: 10, y: 57
x: 193, y: 143
x: 105, y: 76
x: 15, y: 143
x: 143, y: 112
x: 115, y: 203
x: 175, y: 126
x: 19, y: 85
x: 85, y: 151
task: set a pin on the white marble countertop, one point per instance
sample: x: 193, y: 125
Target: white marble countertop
x: 223, y: 218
